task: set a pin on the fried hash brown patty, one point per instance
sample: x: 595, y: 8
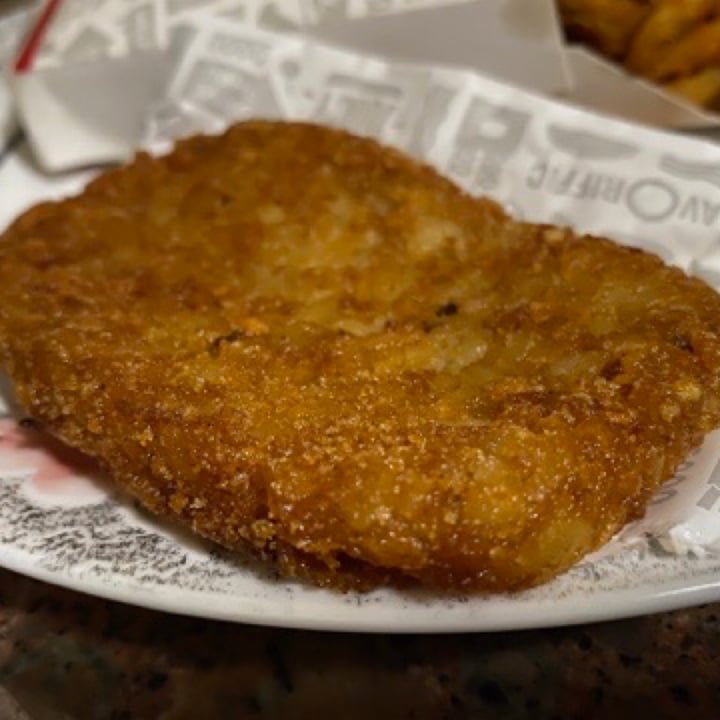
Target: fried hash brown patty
x: 299, y: 341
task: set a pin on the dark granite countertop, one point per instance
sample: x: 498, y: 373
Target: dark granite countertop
x: 69, y: 656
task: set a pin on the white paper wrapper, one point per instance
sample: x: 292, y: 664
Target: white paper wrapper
x: 512, y: 40
x: 100, y: 62
x: 85, y: 31
x: 83, y: 97
x: 548, y: 162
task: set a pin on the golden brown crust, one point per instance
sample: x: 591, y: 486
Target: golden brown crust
x: 297, y: 340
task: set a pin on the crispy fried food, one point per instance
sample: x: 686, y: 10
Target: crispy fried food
x: 608, y: 25
x: 703, y: 88
x: 667, y: 24
x: 300, y: 341
x: 696, y: 50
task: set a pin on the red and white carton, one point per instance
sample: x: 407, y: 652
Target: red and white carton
x: 84, y: 77
x: 15, y: 17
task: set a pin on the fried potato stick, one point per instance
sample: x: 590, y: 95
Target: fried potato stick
x: 605, y: 24
x: 666, y: 26
x: 702, y: 88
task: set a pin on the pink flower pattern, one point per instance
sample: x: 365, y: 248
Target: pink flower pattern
x: 54, y: 467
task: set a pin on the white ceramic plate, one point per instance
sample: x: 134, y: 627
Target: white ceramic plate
x: 61, y: 525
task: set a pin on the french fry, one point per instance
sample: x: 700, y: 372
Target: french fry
x: 702, y: 88
x: 695, y: 51
x: 607, y: 25
x: 667, y: 26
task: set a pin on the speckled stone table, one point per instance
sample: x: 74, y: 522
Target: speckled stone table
x: 68, y: 656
